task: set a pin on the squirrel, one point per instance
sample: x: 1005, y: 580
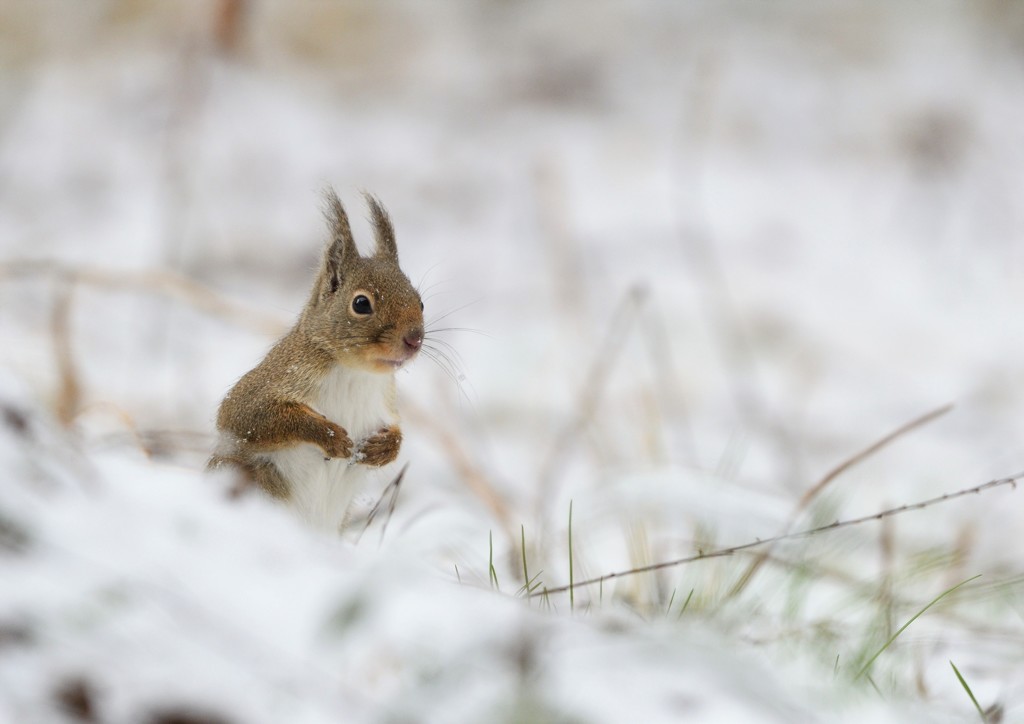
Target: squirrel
x: 310, y: 422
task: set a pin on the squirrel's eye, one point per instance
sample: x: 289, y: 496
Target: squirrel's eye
x: 361, y: 305
x: 421, y: 306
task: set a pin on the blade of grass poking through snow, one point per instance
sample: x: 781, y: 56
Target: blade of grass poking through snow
x: 981, y: 712
x: 686, y: 604
x: 522, y: 544
x: 572, y: 589
x: 875, y: 687
x: 529, y: 584
x: 490, y: 561
x: 913, y: 618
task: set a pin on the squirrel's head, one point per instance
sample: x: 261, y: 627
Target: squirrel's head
x: 363, y: 308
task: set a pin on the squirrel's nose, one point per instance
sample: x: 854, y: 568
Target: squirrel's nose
x: 414, y: 339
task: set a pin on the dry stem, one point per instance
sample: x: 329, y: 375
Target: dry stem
x: 816, y: 489
x: 723, y: 552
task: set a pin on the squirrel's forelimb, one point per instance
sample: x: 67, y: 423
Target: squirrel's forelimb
x: 280, y: 424
x: 381, y: 448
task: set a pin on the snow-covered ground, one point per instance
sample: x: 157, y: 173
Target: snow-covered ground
x: 689, y: 257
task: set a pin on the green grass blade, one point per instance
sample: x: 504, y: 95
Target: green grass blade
x: 490, y: 561
x: 875, y: 687
x: 903, y: 628
x: 970, y: 693
x: 686, y: 604
x: 522, y: 543
x: 572, y: 590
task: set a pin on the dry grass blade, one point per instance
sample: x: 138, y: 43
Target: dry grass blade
x: 867, y: 452
x: 473, y: 477
x: 591, y: 390
x: 69, y: 391
x: 391, y: 493
x: 723, y: 552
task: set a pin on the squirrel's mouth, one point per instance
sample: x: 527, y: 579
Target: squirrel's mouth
x: 393, y: 357
x: 396, y: 361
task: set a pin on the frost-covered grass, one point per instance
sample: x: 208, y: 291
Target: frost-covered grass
x: 708, y: 275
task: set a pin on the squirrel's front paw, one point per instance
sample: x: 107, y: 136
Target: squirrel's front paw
x: 380, y: 448
x: 335, y: 443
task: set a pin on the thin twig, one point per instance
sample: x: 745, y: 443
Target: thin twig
x: 723, y: 552
x: 591, y: 390
x: 69, y: 391
x: 393, y: 488
x: 816, y: 489
x: 867, y: 452
x: 471, y: 474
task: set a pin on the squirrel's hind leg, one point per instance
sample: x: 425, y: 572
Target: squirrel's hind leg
x: 263, y: 474
x: 269, y: 479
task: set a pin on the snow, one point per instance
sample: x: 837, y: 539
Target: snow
x: 709, y: 251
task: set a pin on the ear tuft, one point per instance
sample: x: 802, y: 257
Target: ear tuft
x: 382, y: 228
x: 342, y: 245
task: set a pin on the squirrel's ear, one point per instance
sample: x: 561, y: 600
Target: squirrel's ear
x: 383, y: 229
x: 342, y: 246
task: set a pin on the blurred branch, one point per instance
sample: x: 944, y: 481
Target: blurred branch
x: 68, y: 403
x: 474, y: 478
x: 155, y: 282
x: 589, y: 396
x: 228, y: 24
x: 69, y: 392
x: 567, y: 281
x: 724, y: 552
x: 867, y: 452
x: 815, y: 490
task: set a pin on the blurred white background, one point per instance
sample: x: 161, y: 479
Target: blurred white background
x: 688, y: 256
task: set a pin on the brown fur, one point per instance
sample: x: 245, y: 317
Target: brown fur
x: 269, y: 408
x: 382, y: 448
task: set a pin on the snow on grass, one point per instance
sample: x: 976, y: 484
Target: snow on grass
x: 711, y: 252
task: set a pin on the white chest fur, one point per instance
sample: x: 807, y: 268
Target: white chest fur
x: 322, y: 490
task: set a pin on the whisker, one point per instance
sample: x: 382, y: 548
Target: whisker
x: 453, y: 311
x: 423, y: 278
x: 461, y: 329
x: 452, y: 369
x: 451, y: 359
x: 427, y: 293
x: 441, y: 354
x: 449, y: 349
x: 445, y: 367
